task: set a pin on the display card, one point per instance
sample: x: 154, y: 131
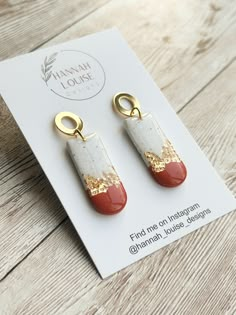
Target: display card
x: 82, y: 76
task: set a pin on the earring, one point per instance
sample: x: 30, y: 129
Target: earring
x: 156, y: 150
x: 94, y: 167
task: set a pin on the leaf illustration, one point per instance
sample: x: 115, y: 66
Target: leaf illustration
x: 47, y: 66
x: 42, y: 69
x: 49, y: 75
x: 53, y: 56
x: 50, y: 62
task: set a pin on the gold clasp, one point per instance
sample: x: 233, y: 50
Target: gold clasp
x: 135, y: 107
x: 70, y: 131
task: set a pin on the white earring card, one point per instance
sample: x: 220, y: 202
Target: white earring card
x: 82, y: 76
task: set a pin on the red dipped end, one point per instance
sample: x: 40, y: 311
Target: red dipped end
x: 173, y: 175
x: 110, y: 202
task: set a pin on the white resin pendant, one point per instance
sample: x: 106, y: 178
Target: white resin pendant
x: 156, y: 150
x: 97, y: 174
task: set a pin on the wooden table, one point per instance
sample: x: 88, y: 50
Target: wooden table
x: 189, y: 47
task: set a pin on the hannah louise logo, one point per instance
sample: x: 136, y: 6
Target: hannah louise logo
x: 73, y: 74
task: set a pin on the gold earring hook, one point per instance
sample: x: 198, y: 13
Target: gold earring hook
x: 70, y: 131
x: 135, y: 106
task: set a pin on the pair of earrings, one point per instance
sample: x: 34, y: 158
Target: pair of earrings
x: 95, y: 169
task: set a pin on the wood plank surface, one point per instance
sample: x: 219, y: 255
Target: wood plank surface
x: 194, y: 275
x: 165, y: 37
x: 188, y: 47
x: 27, y: 200
x: 180, y: 43
x: 25, y: 25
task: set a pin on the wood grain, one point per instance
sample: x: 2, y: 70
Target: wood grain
x: 194, y: 275
x: 170, y: 50
x: 178, y: 42
x: 27, y: 200
x: 25, y: 25
x: 23, y: 229
x: 189, y: 48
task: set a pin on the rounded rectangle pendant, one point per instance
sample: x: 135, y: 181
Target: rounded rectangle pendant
x: 97, y: 174
x: 156, y: 150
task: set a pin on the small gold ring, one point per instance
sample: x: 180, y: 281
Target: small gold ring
x: 137, y: 110
x: 74, y: 118
x: 133, y: 102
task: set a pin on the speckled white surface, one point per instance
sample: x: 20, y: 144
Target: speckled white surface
x: 145, y: 134
x: 90, y: 157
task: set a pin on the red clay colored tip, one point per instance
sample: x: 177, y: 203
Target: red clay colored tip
x: 173, y: 175
x: 110, y: 202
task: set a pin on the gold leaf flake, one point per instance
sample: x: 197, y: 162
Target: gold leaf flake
x: 167, y: 156
x: 99, y: 185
